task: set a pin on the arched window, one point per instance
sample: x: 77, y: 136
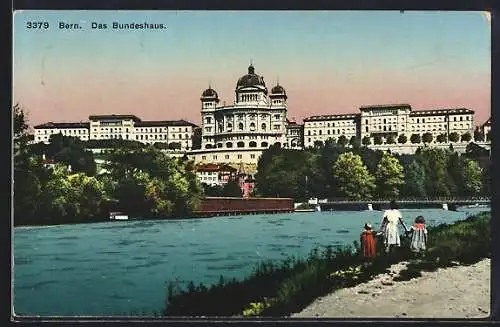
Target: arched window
x: 219, y: 145
x: 229, y: 144
x: 252, y: 127
x: 278, y: 144
x: 264, y: 144
x: 229, y: 127
x: 252, y: 144
x: 208, y: 146
x: 241, y: 144
x: 240, y: 126
x: 263, y: 126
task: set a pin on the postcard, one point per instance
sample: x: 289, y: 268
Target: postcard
x: 295, y: 164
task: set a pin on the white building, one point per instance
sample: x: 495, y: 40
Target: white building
x: 324, y: 127
x: 126, y: 127
x: 242, y: 131
x: 386, y: 124
x: 215, y: 175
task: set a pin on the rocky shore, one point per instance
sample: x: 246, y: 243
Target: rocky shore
x: 455, y: 292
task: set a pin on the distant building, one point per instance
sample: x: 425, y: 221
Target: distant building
x: 294, y: 135
x: 126, y: 127
x: 242, y: 131
x: 486, y: 129
x: 215, y: 174
x: 384, y: 122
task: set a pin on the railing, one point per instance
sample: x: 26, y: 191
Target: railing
x: 411, y: 200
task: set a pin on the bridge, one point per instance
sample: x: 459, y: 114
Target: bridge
x: 445, y: 203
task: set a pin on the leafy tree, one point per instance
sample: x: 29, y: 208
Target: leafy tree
x: 415, y: 180
x: 342, y: 141
x: 466, y: 137
x: 415, y: 138
x: 174, y: 146
x: 389, y: 176
x: 402, y: 139
x: 232, y: 189
x: 355, y: 142
x: 435, y: 163
x: 196, y: 138
x: 427, y: 137
x: 454, y: 137
x: 472, y: 177
x: 318, y: 144
x: 442, y: 138
x: 330, y: 143
x: 366, y: 141
x: 478, y: 135
x: 354, y: 179
x: 161, y: 145
x: 391, y: 139
x: 377, y: 139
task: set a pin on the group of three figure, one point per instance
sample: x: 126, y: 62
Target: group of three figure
x: 390, y: 232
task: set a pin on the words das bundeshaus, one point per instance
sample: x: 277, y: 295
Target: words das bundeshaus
x: 129, y: 26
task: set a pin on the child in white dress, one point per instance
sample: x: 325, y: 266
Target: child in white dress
x: 418, y: 234
x: 389, y: 227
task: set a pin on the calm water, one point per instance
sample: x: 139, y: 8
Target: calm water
x: 122, y: 267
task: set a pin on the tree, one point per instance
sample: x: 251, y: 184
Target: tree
x: 442, y: 138
x: 466, y: 137
x: 427, y: 137
x: 354, y: 180
x: 174, y: 146
x: 377, y: 139
x: 415, y: 180
x: 478, y: 135
x: 391, y: 139
x: 435, y: 162
x: 355, y: 142
x: 342, y: 141
x: 472, y: 177
x: 415, y: 138
x: 232, y: 189
x: 488, y: 136
x: 366, y: 141
x: 196, y: 138
x: 389, y: 176
x: 402, y: 139
x: 453, y: 137
x: 318, y: 144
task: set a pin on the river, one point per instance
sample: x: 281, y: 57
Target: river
x: 122, y: 267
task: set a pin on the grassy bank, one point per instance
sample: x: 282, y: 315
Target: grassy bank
x: 283, y: 288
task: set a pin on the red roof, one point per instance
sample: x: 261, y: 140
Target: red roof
x: 214, y: 167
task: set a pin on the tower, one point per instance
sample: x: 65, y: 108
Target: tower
x: 209, y: 100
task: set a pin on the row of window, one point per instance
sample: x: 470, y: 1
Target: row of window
x: 226, y: 157
x: 339, y: 131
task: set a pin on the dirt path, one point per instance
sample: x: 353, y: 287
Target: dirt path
x: 456, y: 292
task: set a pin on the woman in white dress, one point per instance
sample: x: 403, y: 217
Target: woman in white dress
x: 389, y: 226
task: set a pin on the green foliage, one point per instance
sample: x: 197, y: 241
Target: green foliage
x: 442, y: 138
x: 402, y: 139
x: 366, y: 141
x: 466, y: 137
x: 471, y: 176
x: 342, y: 141
x: 427, y: 137
x: 415, y: 180
x: 353, y: 178
x: 415, y: 138
x: 454, y: 137
x: 377, y: 139
x: 434, y: 161
x: 389, y: 176
x: 478, y: 135
x: 391, y: 139
x: 196, y: 138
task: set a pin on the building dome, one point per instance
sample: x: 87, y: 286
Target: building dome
x: 250, y: 79
x: 278, y: 89
x: 209, y: 93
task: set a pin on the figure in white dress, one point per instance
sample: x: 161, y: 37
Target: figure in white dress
x: 389, y: 227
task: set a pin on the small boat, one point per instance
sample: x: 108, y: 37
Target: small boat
x: 304, y: 210
x: 370, y: 207
x: 118, y: 216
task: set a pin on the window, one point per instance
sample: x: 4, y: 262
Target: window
x: 227, y: 156
x: 208, y: 120
x: 264, y: 144
x: 240, y: 126
x: 203, y: 157
x: 263, y: 126
x: 229, y: 144
x: 252, y: 144
x: 252, y: 156
x: 215, y: 157
x: 239, y: 156
x: 241, y: 144
x: 277, y: 116
x: 252, y: 127
x: 276, y: 127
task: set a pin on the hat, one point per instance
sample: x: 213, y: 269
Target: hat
x: 368, y: 226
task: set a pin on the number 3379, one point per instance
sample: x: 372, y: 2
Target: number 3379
x: 37, y: 25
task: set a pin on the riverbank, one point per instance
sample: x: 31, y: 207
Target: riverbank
x: 455, y: 292
x: 291, y: 286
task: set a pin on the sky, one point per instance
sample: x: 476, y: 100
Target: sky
x: 329, y: 62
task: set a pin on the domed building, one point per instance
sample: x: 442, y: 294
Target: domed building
x: 238, y: 133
